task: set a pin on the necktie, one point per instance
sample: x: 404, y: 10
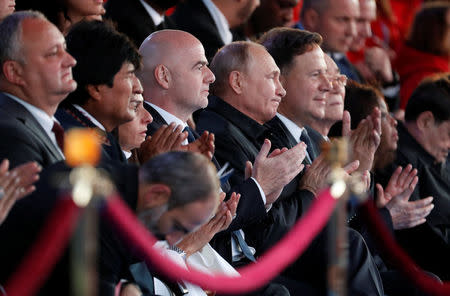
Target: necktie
x: 58, y: 130
x: 243, y: 245
x: 191, y: 137
x: 309, y: 152
x: 142, y: 277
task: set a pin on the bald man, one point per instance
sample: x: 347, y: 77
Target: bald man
x: 176, y: 80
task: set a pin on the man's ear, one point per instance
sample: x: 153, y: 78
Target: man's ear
x: 13, y: 71
x: 425, y: 120
x: 155, y: 195
x: 236, y: 81
x: 94, y: 91
x: 311, y: 19
x: 162, y: 76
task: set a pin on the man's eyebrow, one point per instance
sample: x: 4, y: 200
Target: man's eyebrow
x: 203, y: 63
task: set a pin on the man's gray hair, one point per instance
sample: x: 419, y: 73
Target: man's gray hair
x: 11, y: 32
x: 190, y: 176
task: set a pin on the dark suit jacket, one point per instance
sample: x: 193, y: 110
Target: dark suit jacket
x: 133, y: 20
x: 250, y: 208
x: 239, y: 138
x: 70, y: 117
x: 429, y: 243
x: 193, y: 16
x: 23, y: 138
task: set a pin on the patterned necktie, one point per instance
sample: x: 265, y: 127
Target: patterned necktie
x: 309, y: 152
x: 191, y: 137
x: 243, y: 245
x: 58, y: 130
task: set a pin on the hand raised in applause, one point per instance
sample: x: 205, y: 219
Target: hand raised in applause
x: 203, y: 145
x: 316, y: 175
x: 166, y: 138
x: 275, y: 170
x: 15, y: 184
x: 365, y: 139
x: 404, y: 213
x: 194, y: 241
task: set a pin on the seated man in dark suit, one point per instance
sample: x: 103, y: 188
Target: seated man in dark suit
x: 172, y: 194
x: 36, y: 76
x: 248, y: 92
x: 321, y: 106
x: 424, y: 142
x: 139, y: 18
x: 106, y: 63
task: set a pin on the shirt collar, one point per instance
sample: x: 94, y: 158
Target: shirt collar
x: 220, y: 20
x: 293, y: 128
x: 90, y: 117
x: 127, y: 154
x: 156, y: 17
x: 43, y: 118
x: 168, y: 117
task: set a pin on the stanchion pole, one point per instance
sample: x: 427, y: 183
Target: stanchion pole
x: 337, y: 227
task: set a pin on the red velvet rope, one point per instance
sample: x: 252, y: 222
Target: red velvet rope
x: 254, y: 275
x: 46, y: 251
x: 401, y: 260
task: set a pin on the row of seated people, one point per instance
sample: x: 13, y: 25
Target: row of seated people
x: 254, y: 97
x: 345, y: 25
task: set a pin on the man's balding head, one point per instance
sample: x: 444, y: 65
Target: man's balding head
x: 175, y: 75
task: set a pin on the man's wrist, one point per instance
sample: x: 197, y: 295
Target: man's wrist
x: 180, y: 251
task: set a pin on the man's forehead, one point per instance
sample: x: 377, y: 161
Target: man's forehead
x: 311, y: 59
x: 40, y: 29
x: 343, y: 8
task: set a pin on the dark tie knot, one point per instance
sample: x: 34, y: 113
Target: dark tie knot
x: 58, y: 130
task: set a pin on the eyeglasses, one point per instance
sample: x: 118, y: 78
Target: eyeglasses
x: 340, y: 79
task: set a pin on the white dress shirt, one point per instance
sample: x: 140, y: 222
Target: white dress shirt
x: 221, y: 22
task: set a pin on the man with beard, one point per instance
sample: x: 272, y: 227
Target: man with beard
x: 139, y: 18
x: 211, y: 20
x: 172, y: 194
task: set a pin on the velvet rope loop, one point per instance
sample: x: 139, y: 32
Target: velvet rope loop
x: 46, y: 251
x: 252, y: 276
x: 57, y: 230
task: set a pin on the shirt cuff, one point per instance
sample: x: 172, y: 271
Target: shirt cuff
x: 263, y: 195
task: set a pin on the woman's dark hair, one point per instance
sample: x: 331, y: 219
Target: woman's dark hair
x: 429, y: 28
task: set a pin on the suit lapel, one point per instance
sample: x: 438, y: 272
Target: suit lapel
x: 21, y: 114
